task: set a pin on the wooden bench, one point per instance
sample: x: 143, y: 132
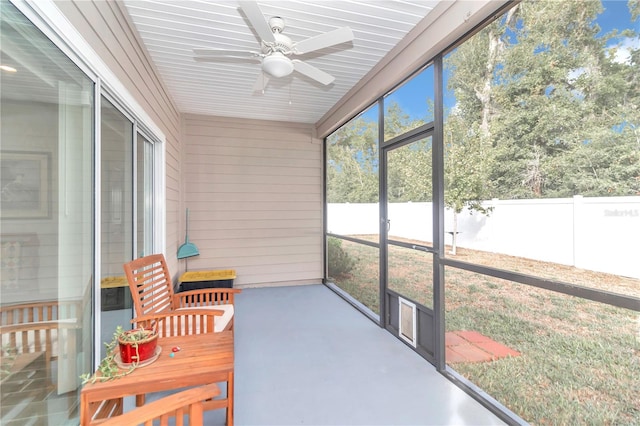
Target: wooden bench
x: 184, y: 403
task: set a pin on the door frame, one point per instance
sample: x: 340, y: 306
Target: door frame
x: 427, y: 319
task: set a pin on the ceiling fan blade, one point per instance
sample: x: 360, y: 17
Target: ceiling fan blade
x: 223, y: 53
x: 312, y: 72
x: 258, y: 22
x: 341, y: 35
x: 261, y: 82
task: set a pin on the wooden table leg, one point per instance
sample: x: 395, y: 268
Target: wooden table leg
x: 92, y: 412
x: 85, y: 415
x: 230, y: 399
x: 140, y: 400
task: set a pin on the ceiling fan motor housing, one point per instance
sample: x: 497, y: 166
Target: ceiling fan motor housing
x: 275, y: 61
x: 283, y: 44
x: 276, y: 24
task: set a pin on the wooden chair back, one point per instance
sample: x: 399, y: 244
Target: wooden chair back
x: 183, y: 322
x: 152, y: 293
x: 47, y: 326
x: 150, y: 284
x: 50, y: 310
x: 187, y: 402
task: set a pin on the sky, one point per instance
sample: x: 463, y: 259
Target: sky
x: 615, y: 12
x: 412, y: 95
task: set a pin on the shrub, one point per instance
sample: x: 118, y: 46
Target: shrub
x: 340, y: 263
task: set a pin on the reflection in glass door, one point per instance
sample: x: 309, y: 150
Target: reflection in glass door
x: 145, y: 197
x: 117, y: 217
x: 409, y: 242
x: 46, y: 226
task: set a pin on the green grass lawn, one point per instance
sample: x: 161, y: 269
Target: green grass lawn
x: 580, y: 361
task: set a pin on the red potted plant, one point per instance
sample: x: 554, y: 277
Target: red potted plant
x: 137, y: 345
x: 127, y: 350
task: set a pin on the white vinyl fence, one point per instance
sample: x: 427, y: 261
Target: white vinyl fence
x: 598, y: 234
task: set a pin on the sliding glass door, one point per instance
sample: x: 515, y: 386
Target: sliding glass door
x: 116, y: 227
x: 46, y: 226
x: 144, y: 196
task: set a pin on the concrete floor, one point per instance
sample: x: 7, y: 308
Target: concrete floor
x: 306, y: 357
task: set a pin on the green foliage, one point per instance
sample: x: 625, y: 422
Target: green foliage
x: 467, y: 164
x: 133, y: 336
x: 564, y: 107
x: 634, y: 8
x: 409, y: 173
x: 557, y: 108
x: 352, y: 163
x: 339, y: 262
x: 546, y: 106
x: 9, y: 354
x: 108, y: 367
x: 397, y: 122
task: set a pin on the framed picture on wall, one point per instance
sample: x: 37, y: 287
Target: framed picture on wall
x: 25, y: 185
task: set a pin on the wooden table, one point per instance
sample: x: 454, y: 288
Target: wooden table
x: 203, y: 359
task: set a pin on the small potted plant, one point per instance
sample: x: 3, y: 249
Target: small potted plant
x: 125, y: 352
x: 137, y: 345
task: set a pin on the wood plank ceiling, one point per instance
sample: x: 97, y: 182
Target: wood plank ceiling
x: 171, y: 29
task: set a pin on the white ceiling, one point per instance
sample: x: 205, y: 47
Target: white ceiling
x: 171, y: 29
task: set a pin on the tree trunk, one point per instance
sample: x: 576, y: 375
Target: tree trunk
x: 454, y: 233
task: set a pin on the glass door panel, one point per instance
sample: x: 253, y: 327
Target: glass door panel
x: 145, y: 197
x: 46, y: 226
x: 117, y: 217
x: 410, y: 273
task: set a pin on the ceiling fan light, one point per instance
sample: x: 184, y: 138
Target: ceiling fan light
x: 277, y: 65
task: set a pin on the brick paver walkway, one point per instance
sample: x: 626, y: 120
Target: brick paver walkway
x: 471, y: 346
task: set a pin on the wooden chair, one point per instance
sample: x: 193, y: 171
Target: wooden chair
x: 187, y: 402
x: 182, y: 322
x: 152, y: 292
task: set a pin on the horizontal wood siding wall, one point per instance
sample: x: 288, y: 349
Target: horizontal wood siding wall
x: 254, y: 193
x: 106, y: 26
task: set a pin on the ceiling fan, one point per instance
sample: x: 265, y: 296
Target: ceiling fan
x: 277, y: 49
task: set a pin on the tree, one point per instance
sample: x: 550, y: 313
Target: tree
x: 352, y: 163
x: 409, y: 173
x: 562, y: 98
x: 545, y: 106
x: 555, y: 103
x: 466, y: 166
x: 397, y: 122
x: 353, y: 156
x: 467, y: 128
